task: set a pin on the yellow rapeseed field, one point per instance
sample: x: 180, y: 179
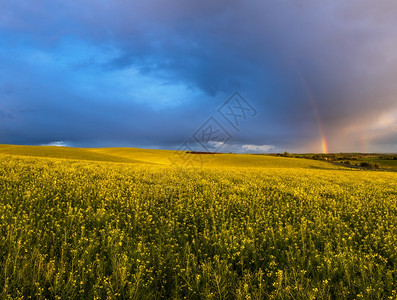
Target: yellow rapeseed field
x: 129, y: 224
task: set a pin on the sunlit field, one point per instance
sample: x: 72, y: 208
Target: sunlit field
x: 129, y: 224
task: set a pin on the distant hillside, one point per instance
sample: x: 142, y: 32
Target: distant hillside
x: 165, y: 157
x: 63, y: 152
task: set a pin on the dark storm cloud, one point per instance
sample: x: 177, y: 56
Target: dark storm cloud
x: 298, y: 63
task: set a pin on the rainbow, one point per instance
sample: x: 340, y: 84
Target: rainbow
x: 323, y: 138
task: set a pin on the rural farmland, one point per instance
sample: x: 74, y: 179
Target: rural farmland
x: 198, y: 150
x: 123, y: 223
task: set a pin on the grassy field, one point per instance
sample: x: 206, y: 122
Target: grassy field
x: 130, y: 224
x: 387, y: 162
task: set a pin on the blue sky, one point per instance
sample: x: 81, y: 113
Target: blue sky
x: 150, y: 74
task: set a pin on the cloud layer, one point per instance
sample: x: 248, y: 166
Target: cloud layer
x: 118, y: 73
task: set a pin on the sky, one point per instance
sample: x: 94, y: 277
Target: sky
x: 229, y: 76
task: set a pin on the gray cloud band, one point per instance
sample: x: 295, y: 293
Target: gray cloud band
x: 339, y: 53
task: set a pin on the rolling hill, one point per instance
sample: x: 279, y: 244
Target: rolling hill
x: 164, y: 157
